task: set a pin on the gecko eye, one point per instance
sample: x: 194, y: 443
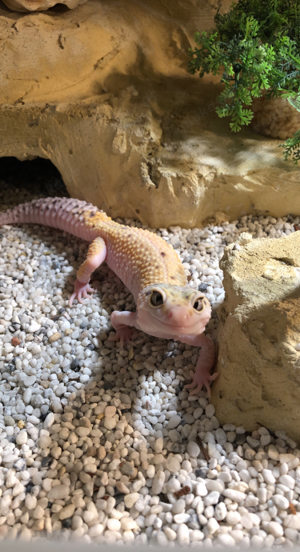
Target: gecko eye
x: 199, y: 304
x: 156, y: 298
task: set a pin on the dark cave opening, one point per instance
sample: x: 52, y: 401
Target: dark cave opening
x: 37, y: 176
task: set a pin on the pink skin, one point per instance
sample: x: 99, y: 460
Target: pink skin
x: 202, y: 375
x: 122, y: 322
x: 80, y: 290
x: 177, y: 324
x: 96, y: 255
x: 174, y: 322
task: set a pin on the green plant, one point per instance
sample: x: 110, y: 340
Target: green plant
x: 256, y: 48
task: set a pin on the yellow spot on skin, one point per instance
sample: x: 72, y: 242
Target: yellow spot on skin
x: 139, y: 257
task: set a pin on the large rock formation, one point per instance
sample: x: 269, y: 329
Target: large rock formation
x: 40, y: 5
x: 103, y: 92
x: 259, y: 361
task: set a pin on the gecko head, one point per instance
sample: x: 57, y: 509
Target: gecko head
x: 172, y: 311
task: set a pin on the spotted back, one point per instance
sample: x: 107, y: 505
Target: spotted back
x: 139, y: 257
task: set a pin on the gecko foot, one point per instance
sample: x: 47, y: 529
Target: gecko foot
x: 200, y: 378
x: 80, y: 290
x: 123, y: 335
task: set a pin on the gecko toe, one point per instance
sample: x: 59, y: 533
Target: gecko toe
x: 193, y: 383
x: 190, y: 385
x: 90, y: 289
x: 207, y: 386
x: 81, y: 291
x: 197, y: 390
x: 79, y: 298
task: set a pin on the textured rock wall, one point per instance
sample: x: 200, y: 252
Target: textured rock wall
x: 276, y: 118
x: 39, y: 5
x: 259, y: 361
x: 103, y: 92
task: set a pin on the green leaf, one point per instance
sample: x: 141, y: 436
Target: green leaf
x: 295, y: 102
x: 262, y: 39
x: 222, y: 111
x: 292, y: 147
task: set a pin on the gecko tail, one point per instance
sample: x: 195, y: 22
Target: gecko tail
x: 58, y: 212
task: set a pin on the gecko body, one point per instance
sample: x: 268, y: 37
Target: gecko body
x: 166, y: 306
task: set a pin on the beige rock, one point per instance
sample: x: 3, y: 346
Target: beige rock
x: 259, y: 381
x: 110, y: 411
x: 40, y: 5
x: 54, y: 337
x: 104, y: 94
x: 66, y: 512
x: 276, y: 118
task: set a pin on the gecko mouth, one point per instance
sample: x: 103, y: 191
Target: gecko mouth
x: 178, y: 328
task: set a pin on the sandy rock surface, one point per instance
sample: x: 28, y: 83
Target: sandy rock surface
x: 104, y: 93
x: 276, y: 118
x: 259, y: 359
x: 40, y: 5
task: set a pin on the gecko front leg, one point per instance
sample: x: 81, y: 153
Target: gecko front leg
x: 95, y: 257
x: 122, y: 322
x: 202, y: 375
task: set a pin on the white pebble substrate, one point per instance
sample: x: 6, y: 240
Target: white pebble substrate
x: 95, y: 439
